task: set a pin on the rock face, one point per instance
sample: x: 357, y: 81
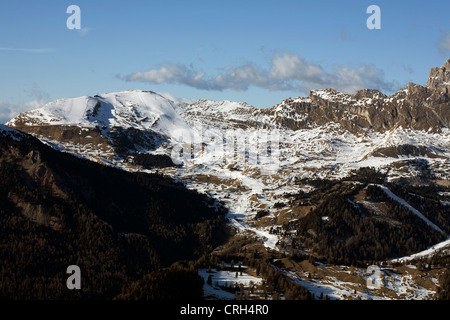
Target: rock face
x: 439, y: 78
x: 415, y: 107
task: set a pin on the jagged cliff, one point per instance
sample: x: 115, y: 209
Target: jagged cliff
x: 415, y: 107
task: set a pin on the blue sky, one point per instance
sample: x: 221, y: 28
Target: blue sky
x: 259, y: 52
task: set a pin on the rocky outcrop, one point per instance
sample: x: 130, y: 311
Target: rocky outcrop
x: 439, y: 78
x: 415, y: 107
x: 439, y: 84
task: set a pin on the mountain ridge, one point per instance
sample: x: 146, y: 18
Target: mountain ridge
x: 327, y: 129
x: 401, y: 107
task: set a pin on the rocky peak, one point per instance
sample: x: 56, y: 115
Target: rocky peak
x: 439, y: 78
x: 369, y: 93
x: 416, y: 94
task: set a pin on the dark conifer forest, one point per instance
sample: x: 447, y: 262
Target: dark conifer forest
x: 59, y: 210
x: 345, y: 228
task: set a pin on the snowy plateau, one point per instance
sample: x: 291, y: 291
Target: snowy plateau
x: 251, y: 160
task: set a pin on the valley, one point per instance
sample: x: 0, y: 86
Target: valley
x: 316, y: 189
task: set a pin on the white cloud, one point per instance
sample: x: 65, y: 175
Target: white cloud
x: 287, y: 71
x: 351, y: 79
x: 172, y: 73
x: 292, y: 66
x: 30, y: 50
x: 38, y: 97
x: 9, y: 111
x: 167, y: 73
x: 240, y: 78
x: 84, y: 31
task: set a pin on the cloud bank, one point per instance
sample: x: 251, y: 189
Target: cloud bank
x: 37, y: 98
x: 9, y: 110
x: 287, y: 71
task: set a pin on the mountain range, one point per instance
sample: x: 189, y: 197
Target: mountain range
x: 301, y: 178
x: 325, y: 134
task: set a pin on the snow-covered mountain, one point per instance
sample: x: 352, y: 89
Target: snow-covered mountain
x: 252, y: 159
x: 131, y: 109
x: 326, y: 134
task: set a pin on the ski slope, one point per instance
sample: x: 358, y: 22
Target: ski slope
x: 407, y: 205
x: 425, y: 253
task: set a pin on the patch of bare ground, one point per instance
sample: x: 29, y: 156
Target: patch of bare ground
x: 210, y: 178
x: 266, y: 222
x: 313, y: 271
x: 379, y: 210
x: 445, y: 183
x: 290, y: 213
x: 420, y: 277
